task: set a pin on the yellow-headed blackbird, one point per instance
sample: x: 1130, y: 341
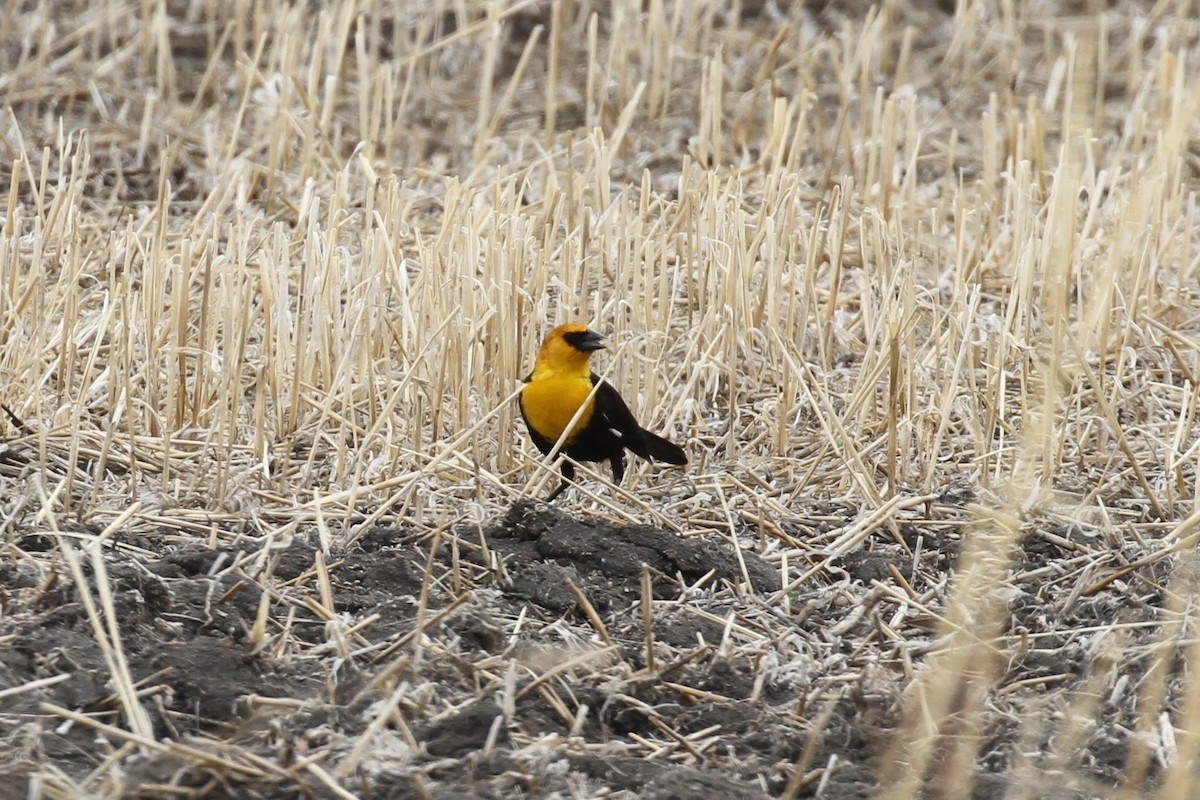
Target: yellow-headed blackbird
x: 559, y: 384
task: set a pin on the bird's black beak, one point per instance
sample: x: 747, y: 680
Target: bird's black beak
x: 591, y: 341
x: 585, y: 341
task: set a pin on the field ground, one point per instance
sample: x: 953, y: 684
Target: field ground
x: 915, y: 284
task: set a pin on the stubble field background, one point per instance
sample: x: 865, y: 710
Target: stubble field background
x: 915, y: 284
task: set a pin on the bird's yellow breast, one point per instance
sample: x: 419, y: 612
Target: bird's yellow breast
x: 550, y: 402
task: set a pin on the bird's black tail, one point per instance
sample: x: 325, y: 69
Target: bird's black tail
x: 662, y: 450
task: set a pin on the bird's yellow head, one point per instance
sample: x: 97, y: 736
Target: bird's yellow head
x: 568, y: 350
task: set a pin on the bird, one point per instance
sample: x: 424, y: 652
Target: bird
x: 561, y: 382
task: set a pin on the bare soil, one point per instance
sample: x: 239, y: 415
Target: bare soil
x: 722, y: 710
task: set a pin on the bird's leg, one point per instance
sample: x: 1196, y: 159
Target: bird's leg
x: 568, y: 471
x: 617, y: 463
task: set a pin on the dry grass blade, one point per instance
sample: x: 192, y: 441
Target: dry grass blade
x: 106, y: 629
x: 187, y: 751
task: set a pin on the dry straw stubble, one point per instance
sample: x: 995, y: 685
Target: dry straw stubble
x: 271, y: 269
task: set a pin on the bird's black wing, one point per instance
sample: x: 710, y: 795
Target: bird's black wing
x: 618, y: 419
